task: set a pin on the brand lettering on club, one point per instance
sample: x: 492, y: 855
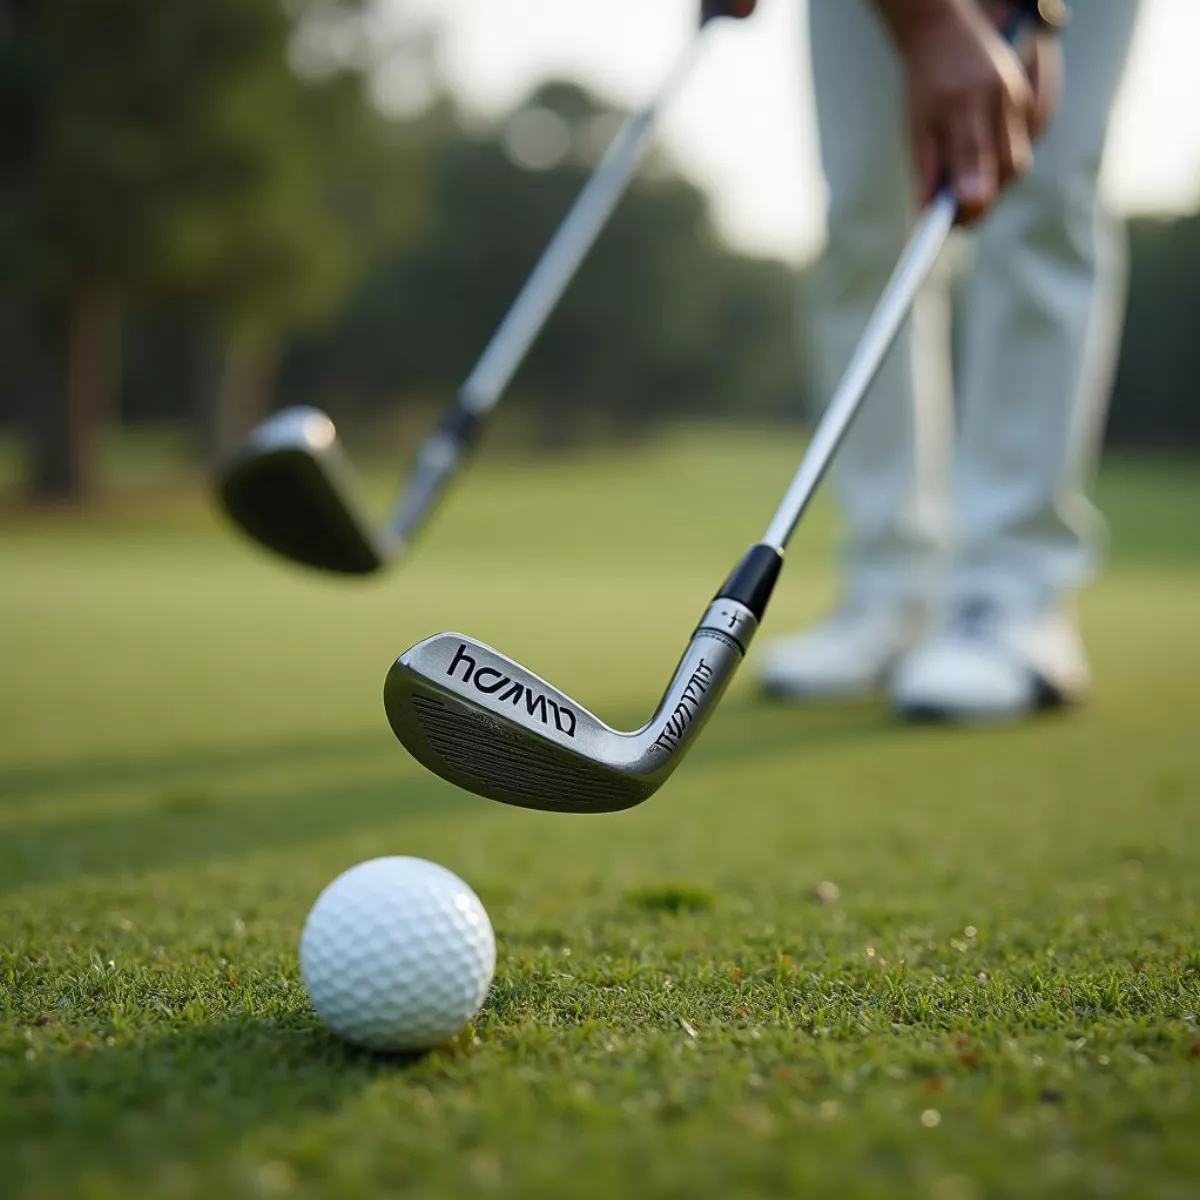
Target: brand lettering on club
x: 685, y: 710
x: 491, y: 682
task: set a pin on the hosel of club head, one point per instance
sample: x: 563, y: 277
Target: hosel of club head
x: 714, y: 653
x: 436, y: 464
x: 712, y: 657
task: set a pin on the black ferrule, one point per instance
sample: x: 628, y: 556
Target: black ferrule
x: 1046, y: 14
x: 460, y: 425
x: 753, y: 579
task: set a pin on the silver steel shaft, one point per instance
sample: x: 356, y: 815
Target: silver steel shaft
x: 886, y: 321
x: 567, y: 250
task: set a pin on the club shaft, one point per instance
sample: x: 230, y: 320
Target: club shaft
x: 567, y: 250
x: 886, y: 321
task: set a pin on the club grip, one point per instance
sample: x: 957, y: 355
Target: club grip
x: 710, y: 10
x: 753, y: 579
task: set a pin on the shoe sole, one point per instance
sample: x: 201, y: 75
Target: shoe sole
x: 1046, y: 698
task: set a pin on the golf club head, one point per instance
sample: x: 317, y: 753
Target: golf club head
x: 482, y: 721
x: 291, y: 488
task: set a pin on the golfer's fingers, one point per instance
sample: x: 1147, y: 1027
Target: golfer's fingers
x: 970, y: 147
x: 1044, y: 68
x: 927, y: 163
x: 1014, y: 148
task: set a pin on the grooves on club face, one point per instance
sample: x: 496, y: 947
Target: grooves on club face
x: 291, y: 489
x: 483, y: 722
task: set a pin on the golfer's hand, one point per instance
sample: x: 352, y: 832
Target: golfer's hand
x: 1041, y: 56
x: 972, y: 108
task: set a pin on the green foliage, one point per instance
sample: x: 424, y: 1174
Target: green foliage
x: 124, y: 111
x: 1154, y: 403
x: 168, y: 151
x: 168, y: 158
x: 1002, y: 1001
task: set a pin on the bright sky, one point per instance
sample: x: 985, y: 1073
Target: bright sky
x: 742, y: 123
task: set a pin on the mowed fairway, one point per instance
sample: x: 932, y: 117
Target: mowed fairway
x: 1003, y: 997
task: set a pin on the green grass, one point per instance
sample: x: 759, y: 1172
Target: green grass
x: 1000, y: 997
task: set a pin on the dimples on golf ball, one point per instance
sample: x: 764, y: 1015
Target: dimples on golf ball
x: 397, y: 954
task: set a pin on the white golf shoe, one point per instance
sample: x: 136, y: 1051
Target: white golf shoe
x: 847, y: 656
x: 987, y: 665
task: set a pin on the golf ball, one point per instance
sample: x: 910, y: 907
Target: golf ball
x: 397, y: 954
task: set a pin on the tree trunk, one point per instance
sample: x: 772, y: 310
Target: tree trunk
x: 237, y: 376
x: 74, y: 391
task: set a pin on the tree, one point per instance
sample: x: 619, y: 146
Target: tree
x: 1151, y: 407
x: 348, y: 186
x: 162, y: 153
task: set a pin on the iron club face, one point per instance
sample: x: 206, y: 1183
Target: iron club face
x: 482, y: 721
x: 292, y: 488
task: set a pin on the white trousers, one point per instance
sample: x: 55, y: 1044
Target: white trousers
x: 964, y: 474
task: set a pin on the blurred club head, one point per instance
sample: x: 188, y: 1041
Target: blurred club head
x: 483, y: 722
x: 291, y: 488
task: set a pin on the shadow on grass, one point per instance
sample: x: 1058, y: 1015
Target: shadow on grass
x: 204, y: 821
x: 23, y: 784
x: 174, y: 836
x: 132, y: 1108
x: 749, y: 717
x: 20, y: 785
x: 751, y: 726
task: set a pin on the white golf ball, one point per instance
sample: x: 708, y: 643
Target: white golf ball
x: 397, y: 954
